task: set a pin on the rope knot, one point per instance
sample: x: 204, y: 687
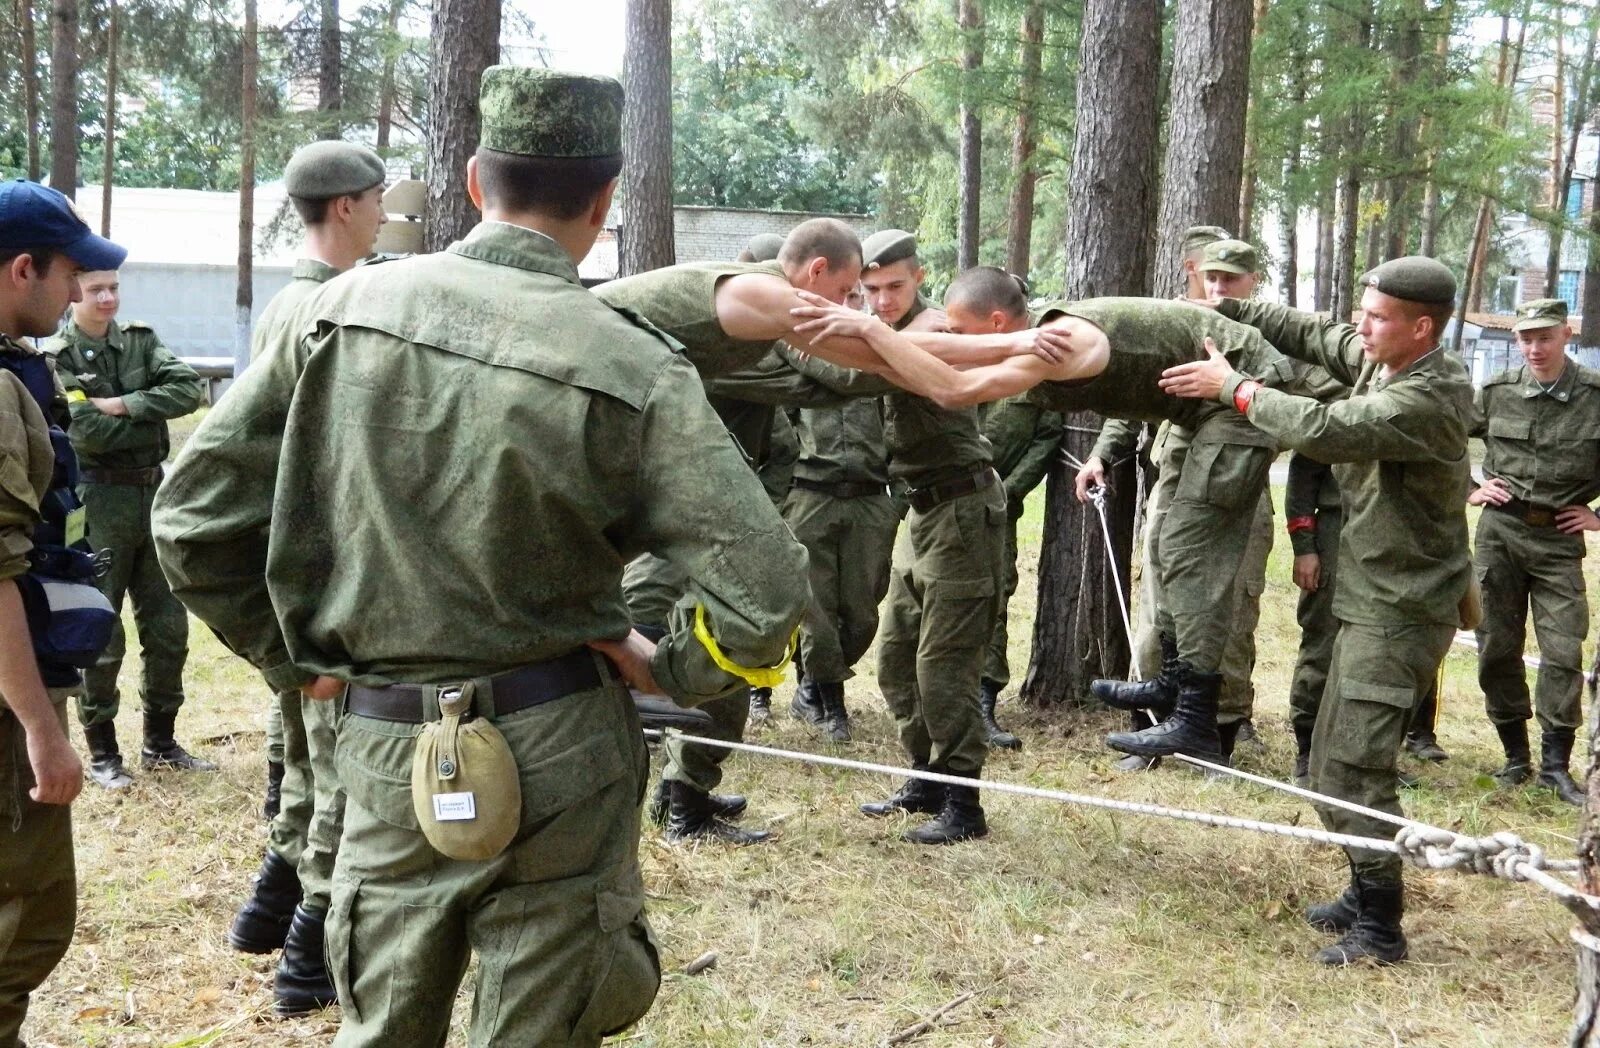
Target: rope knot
x: 1503, y: 854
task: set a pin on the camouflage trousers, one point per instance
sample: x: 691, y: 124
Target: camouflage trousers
x: 307, y: 827
x: 849, y: 542
x: 1319, y: 627
x: 997, y: 660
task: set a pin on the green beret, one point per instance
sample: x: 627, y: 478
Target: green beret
x: 1197, y: 237
x: 764, y: 247
x: 324, y: 170
x: 887, y: 246
x: 1229, y: 256
x: 543, y: 112
x: 1540, y: 313
x: 1415, y: 278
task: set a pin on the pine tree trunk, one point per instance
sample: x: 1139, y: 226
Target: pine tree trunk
x: 1288, y: 210
x: 1347, y: 204
x: 1585, y: 1031
x: 1567, y: 161
x: 30, y: 83
x: 647, y: 231
x: 108, y: 168
x: 244, y: 289
x: 1589, y: 330
x: 1431, y: 204
x: 1322, y: 275
x: 1403, y: 134
x: 969, y: 159
x: 64, y: 96
x: 1248, y: 182
x: 466, y: 41
x: 330, y: 61
x: 1024, y: 140
x: 386, y: 89
x: 1078, y: 632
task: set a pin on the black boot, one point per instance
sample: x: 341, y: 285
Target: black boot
x: 1157, y: 694
x: 691, y: 816
x: 723, y: 805
x: 274, y: 799
x: 262, y: 923
x: 1555, y: 756
x: 1191, y: 728
x: 806, y: 705
x: 915, y: 795
x: 1302, y: 756
x: 1138, y: 720
x: 999, y: 738
x: 1227, y: 740
x: 1247, y: 735
x: 161, y: 750
x: 760, y: 705
x: 1338, y: 915
x: 1423, y: 744
x: 1519, y: 760
x: 105, y: 759
x: 1376, y: 934
x: 301, y: 985
x: 960, y: 819
x: 835, y: 718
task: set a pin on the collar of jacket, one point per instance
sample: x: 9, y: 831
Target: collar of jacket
x: 1561, y: 391
x: 517, y: 246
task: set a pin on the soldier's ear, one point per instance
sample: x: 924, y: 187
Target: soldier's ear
x: 474, y: 188
x: 602, y: 204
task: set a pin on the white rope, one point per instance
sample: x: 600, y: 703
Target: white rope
x: 1097, y: 495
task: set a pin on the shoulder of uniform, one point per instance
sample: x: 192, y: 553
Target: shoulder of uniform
x: 136, y: 325
x: 1510, y: 376
x: 639, y: 321
x: 1588, y: 376
x: 52, y: 346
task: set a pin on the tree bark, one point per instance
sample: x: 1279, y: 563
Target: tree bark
x: 1567, y: 161
x: 244, y: 289
x: 1205, y: 128
x: 330, y: 61
x: 1585, y: 1031
x: 1248, y: 180
x: 1431, y: 204
x: 969, y: 159
x: 64, y: 96
x: 1078, y: 632
x: 1347, y: 194
x: 30, y: 82
x: 1288, y: 209
x: 386, y: 88
x: 647, y: 230
x: 1403, y: 134
x: 108, y: 168
x: 1322, y: 277
x: 466, y: 41
x: 1589, y: 330
x: 1024, y: 140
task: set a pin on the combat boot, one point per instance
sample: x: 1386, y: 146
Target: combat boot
x: 1138, y: 721
x: 1227, y: 740
x: 999, y: 738
x: 723, y: 805
x: 835, y: 718
x: 915, y: 795
x: 161, y: 750
x: 1555, y: 756
x: 760, y: 705
x: 301, y: 984
x: 1376, y: 934
x: 1302, y: 756
x: 691, y: 816
x: 806, y: 704
x: 1157, y: 694
x: 1519, y: 760
x: 274, y: 799
x: 1190, y: 729
x: 1423, y: 744
x: 960, y: 818
x: 262, y: 923
x: 1338, y: 915
x: 105, y: 759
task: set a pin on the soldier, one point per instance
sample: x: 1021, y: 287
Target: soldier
x: 1314, y: 518
x: 1399, y: 447
x: 481, y: 582
x: 1540, y: 424
x: 124, y: 386
x: 337, y: 190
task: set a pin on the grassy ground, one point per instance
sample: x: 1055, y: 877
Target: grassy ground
x: 1070, y: 926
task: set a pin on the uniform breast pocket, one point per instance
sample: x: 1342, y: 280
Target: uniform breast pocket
x: 1510, y: 428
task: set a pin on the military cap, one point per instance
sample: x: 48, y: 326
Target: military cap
x: 1229, y: 256
x: 887, y: 246
x: 1415, y: 278
x: 324, y: 170
x: 1197, y: 237
x: 1540, y: 313
x: 764, y: 247
x: 547, y: 113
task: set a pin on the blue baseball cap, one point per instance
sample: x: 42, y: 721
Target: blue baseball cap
x: 32, y: 215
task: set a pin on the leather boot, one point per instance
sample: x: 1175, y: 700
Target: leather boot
x: 999, y: 738
x: 690, y: 816
x: 1376, y: 934
x: 1424, y: 746
x: 1227, y: 739
x: 760, y: 705
x: 262, y: 923
x: 1338, y: 915
x: 1519, y: 760
x: 161, y: 750
x: 301, y: 985
x: 659, y: 713
x: 960, y: 819
x: 1191, y: 728
x: 1138, y: 721
x: 274, y: 799
x: 1302, y: 756
x: 1555, y: 756
x: 105, y: 759
x: 1157, y: 694
x: 835, y: 718
x: 914, y: 795
x: 806, y: 705
x: 723, y: 805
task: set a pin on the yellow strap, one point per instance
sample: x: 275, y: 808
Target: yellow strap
x: 76, y: 396
x: 755, y: 676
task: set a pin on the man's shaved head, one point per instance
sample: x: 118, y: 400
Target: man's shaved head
x: 826, y: 238
x: 988, y: 289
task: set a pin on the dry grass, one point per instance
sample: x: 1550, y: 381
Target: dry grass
x: 1070, y: 926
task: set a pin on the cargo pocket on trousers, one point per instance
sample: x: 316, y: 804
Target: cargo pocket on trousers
x: 1372, y: 724
x: 337, y: 947
x: 628, y: 962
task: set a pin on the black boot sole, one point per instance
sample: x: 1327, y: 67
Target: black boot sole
x: 308, y: 1003
x: 263, y: 943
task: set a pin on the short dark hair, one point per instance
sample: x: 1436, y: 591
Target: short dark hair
x: 558, y: 187
x: 826, y: 238
x: 313, y: 211
x: 43, y: 257
x: 1439, y: 312
x: 984, y: 289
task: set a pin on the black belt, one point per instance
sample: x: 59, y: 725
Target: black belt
x: 924, y: 499
x: 1530, y: 513
x: 131, y: 477
x: 842, y: 489
x: 514, y: 690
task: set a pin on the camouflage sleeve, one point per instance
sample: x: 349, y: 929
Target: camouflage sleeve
x: 26, y: 463
x: 794, y: 379
x: 1119, y: 438
x: 1304, y: 336
x: 93, y: 431
x: 1041, y: 451
x: 1300, y: 501
x: 1400, y: 423
x: 172, y: 388
x: 1478, y: 424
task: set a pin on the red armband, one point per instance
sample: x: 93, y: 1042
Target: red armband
x: 1299, y: 524
x: 1243, y: 393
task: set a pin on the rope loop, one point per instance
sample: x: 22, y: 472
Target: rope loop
x: 1503, y: 854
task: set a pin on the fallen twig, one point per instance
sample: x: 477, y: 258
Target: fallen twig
x: 911, y: 1033
x: 701, y: 963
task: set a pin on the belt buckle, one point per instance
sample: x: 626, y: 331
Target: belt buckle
x: 1539, y: 517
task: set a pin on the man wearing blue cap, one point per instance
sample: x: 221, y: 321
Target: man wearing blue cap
x: 44, y: 245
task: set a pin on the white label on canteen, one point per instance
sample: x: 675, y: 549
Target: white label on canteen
x: 454, y: 807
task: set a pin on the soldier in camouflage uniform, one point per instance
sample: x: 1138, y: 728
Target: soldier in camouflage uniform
x: 488, y: 573
x: 1540, y: 424
x: 1314, y: 518
x: 124, y: 386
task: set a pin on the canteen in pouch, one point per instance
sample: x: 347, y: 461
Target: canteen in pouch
x: 464, y: 783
